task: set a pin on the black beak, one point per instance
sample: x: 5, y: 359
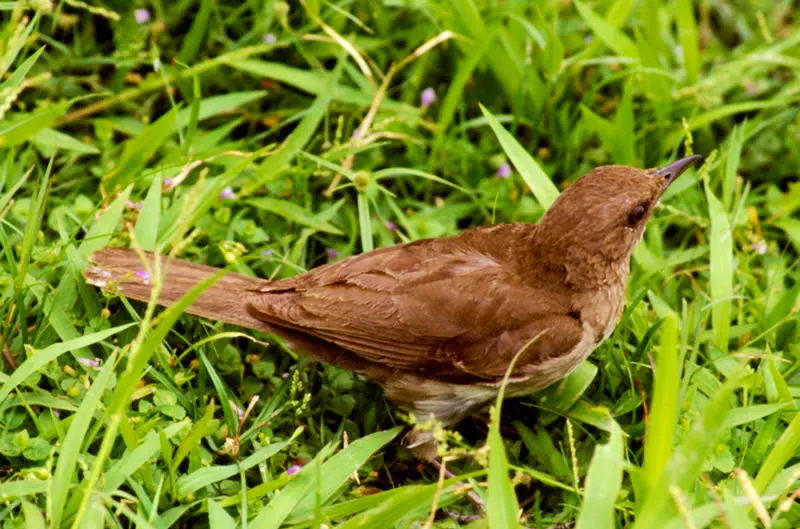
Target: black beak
x: 675, y: 169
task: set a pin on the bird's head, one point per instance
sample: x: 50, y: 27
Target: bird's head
x: 600, y: 218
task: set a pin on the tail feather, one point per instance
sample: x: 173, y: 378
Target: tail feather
x: 123, y: 269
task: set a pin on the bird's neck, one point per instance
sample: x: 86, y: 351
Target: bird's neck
x: 573, y: 265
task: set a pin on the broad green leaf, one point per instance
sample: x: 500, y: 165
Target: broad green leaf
x: 562, y: 395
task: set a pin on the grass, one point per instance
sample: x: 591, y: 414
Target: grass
x: 307, y: 117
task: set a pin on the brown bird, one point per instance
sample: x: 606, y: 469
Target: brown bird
x: 437, y: 322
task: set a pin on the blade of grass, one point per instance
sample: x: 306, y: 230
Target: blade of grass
x: 365, y: 222
x: 50, y: 353
x: 316, y: 83
x: 301, y: 135
x: 101, y: 231
x: 785, y: 448
x: 687, y: 36
x: 21, y: 130
x: 18, y: 76
x: 137, y: 362
x: 67, y: 462
x: 193, y: 438
x: 603, y: 483
x: 721, y: 248
x: 149, y: 217
x: 218, y: 518
x: 413, y: 500
x: 205, y: 476
x: 134, y: 458
x: 294, y: 213
x: 607, y: 32
x: 663, y: 417
x: 300, y: 495
x: 687, y: 460
x: 734, y: 155
x: 191, y: 42
x: 33, y: 516
x: 539, y: 183
x: 341, y: 466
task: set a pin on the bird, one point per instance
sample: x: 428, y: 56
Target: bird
x: 438, y: 322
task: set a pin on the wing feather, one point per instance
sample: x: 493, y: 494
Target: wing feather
x: 449, y: 309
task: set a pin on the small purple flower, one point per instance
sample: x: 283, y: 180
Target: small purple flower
x: 168, y: 182
x: 144, y: 276
x: 587, y: 39
x: 356, y: 133
x: 427, y: 97
x: 133, y: 205
x: 390, y: 225
x: 332, y: 254
x: 270, y: 38
x: 760, y: 247
x: 294, y: 469
x: 285, y: 374
x: 239, y: 411
x: 89, y: 362
x: 267, y: 253
x: 142, y: 16
x: 504, y: 171
x: 227, y: 194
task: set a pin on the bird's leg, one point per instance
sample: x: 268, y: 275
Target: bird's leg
x: 424, y: 446
x: 471, y: 495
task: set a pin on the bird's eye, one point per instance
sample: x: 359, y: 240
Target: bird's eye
x: 636, y: 215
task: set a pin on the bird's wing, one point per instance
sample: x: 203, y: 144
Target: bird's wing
x: 446, y: 309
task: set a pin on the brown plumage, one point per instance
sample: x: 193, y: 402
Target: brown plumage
x: 437, y: 322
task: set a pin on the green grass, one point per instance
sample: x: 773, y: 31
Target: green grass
x: 114, y: 414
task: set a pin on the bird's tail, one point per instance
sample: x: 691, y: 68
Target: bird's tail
x: 123, y: 269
